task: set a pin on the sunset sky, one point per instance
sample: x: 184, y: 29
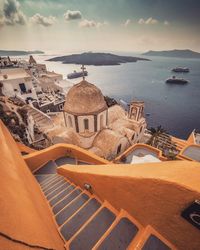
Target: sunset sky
x: 99, y: 25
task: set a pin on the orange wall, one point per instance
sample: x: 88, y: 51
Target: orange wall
x: 153, y: 193
x: 24, y: 148
x: 39, y: 158
x: 191, y: 138
x: 24, y: 213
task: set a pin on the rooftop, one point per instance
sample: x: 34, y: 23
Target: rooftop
x: 13, y: 73
x: 84, y: 98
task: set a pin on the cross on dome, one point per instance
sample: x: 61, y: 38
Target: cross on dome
x: 83, y: 71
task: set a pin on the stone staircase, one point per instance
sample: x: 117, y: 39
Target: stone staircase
x: 41, y: 119
x: 180, y: 144
x: 86, y: 222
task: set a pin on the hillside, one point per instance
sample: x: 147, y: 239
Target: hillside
x: 174, y: 53
x: 99, y: 59
x: 19, y: 52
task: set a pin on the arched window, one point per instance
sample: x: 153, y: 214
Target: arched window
x: 70, y: 121
x: 86, y: 123
x: 133, y: 137
x: 101, y: 122
x: 119, y: 149
x: 141, y: 129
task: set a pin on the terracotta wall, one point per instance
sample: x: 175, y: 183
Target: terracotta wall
x: 24, y: 213
x: 24, y: 148
x: 37, y: 159
x: 153, y: 193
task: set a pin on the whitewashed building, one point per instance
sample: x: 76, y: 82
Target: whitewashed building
x: 17, y: 82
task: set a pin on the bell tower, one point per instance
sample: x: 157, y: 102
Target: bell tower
x: 136, y: 110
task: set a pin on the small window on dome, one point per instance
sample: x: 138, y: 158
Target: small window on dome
x: 86, y: 123
x: 133, y: 137
x: 119, y: 149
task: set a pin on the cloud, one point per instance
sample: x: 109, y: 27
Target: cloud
x: 42, y: 20
x: 150, y: 20
x: 12, y: 14
x: 72, y: 15
x: 91, y: 24
x: 166, y: 23
x: 127, y: 22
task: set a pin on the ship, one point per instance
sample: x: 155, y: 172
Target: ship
x: 76, y: 74
x: 176, y: 80
x: 181, y: 70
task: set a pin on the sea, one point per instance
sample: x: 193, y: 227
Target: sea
x: 175, y: 107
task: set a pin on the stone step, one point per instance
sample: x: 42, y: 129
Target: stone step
x: 78, y: 220
x: 93, y: 230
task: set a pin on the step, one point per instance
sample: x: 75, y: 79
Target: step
x: 37, y: 115
x: 39, y: 119
x: 151, y: 239
x: 54, y: 187
x: 48, y: 168
x: 58, y: 190
x: 48, y: 182
x: 69, y: 210
x: 44, y: 177
x: 60, y: 205
x: 61, y: 195
x: 65, y: 160
x: 121, y: 235
x: 93, y: 231
x: 77, y: 221
x: 155, y: 243
x: 52, y: 183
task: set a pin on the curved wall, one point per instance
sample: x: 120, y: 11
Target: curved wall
x: 24, y: 215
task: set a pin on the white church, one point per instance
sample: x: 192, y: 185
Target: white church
x: 91, y: 124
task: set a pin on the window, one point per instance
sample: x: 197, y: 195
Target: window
x: 70, y: 121
x: 22, y: 87
x: 141, y: 129
x: 119, y: 149
x: 133, y: 137
x: 61, y: 106
x: 86, y: 123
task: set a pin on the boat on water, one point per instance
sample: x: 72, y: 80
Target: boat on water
x: 181, y: 70
x: 76, y: 74
x: 176, y: 80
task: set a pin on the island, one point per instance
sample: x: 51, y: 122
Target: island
x: 187, y: 53
x: 19, y: 52
x: 96, y: 59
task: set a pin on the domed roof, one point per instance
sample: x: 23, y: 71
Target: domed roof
x: 84, y: 98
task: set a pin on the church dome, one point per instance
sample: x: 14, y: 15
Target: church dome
x: 84, y: 98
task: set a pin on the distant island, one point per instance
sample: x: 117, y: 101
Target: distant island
x: 96, y: 59
x: 19, y: 52
x: 174, y: 53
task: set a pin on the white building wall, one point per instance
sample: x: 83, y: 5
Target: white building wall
x: 67, y: 118
x: 81, y: 123
x: 104, y: 115
x: 11, y: 87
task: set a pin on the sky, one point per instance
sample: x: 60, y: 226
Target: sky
x: 99, y: 25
